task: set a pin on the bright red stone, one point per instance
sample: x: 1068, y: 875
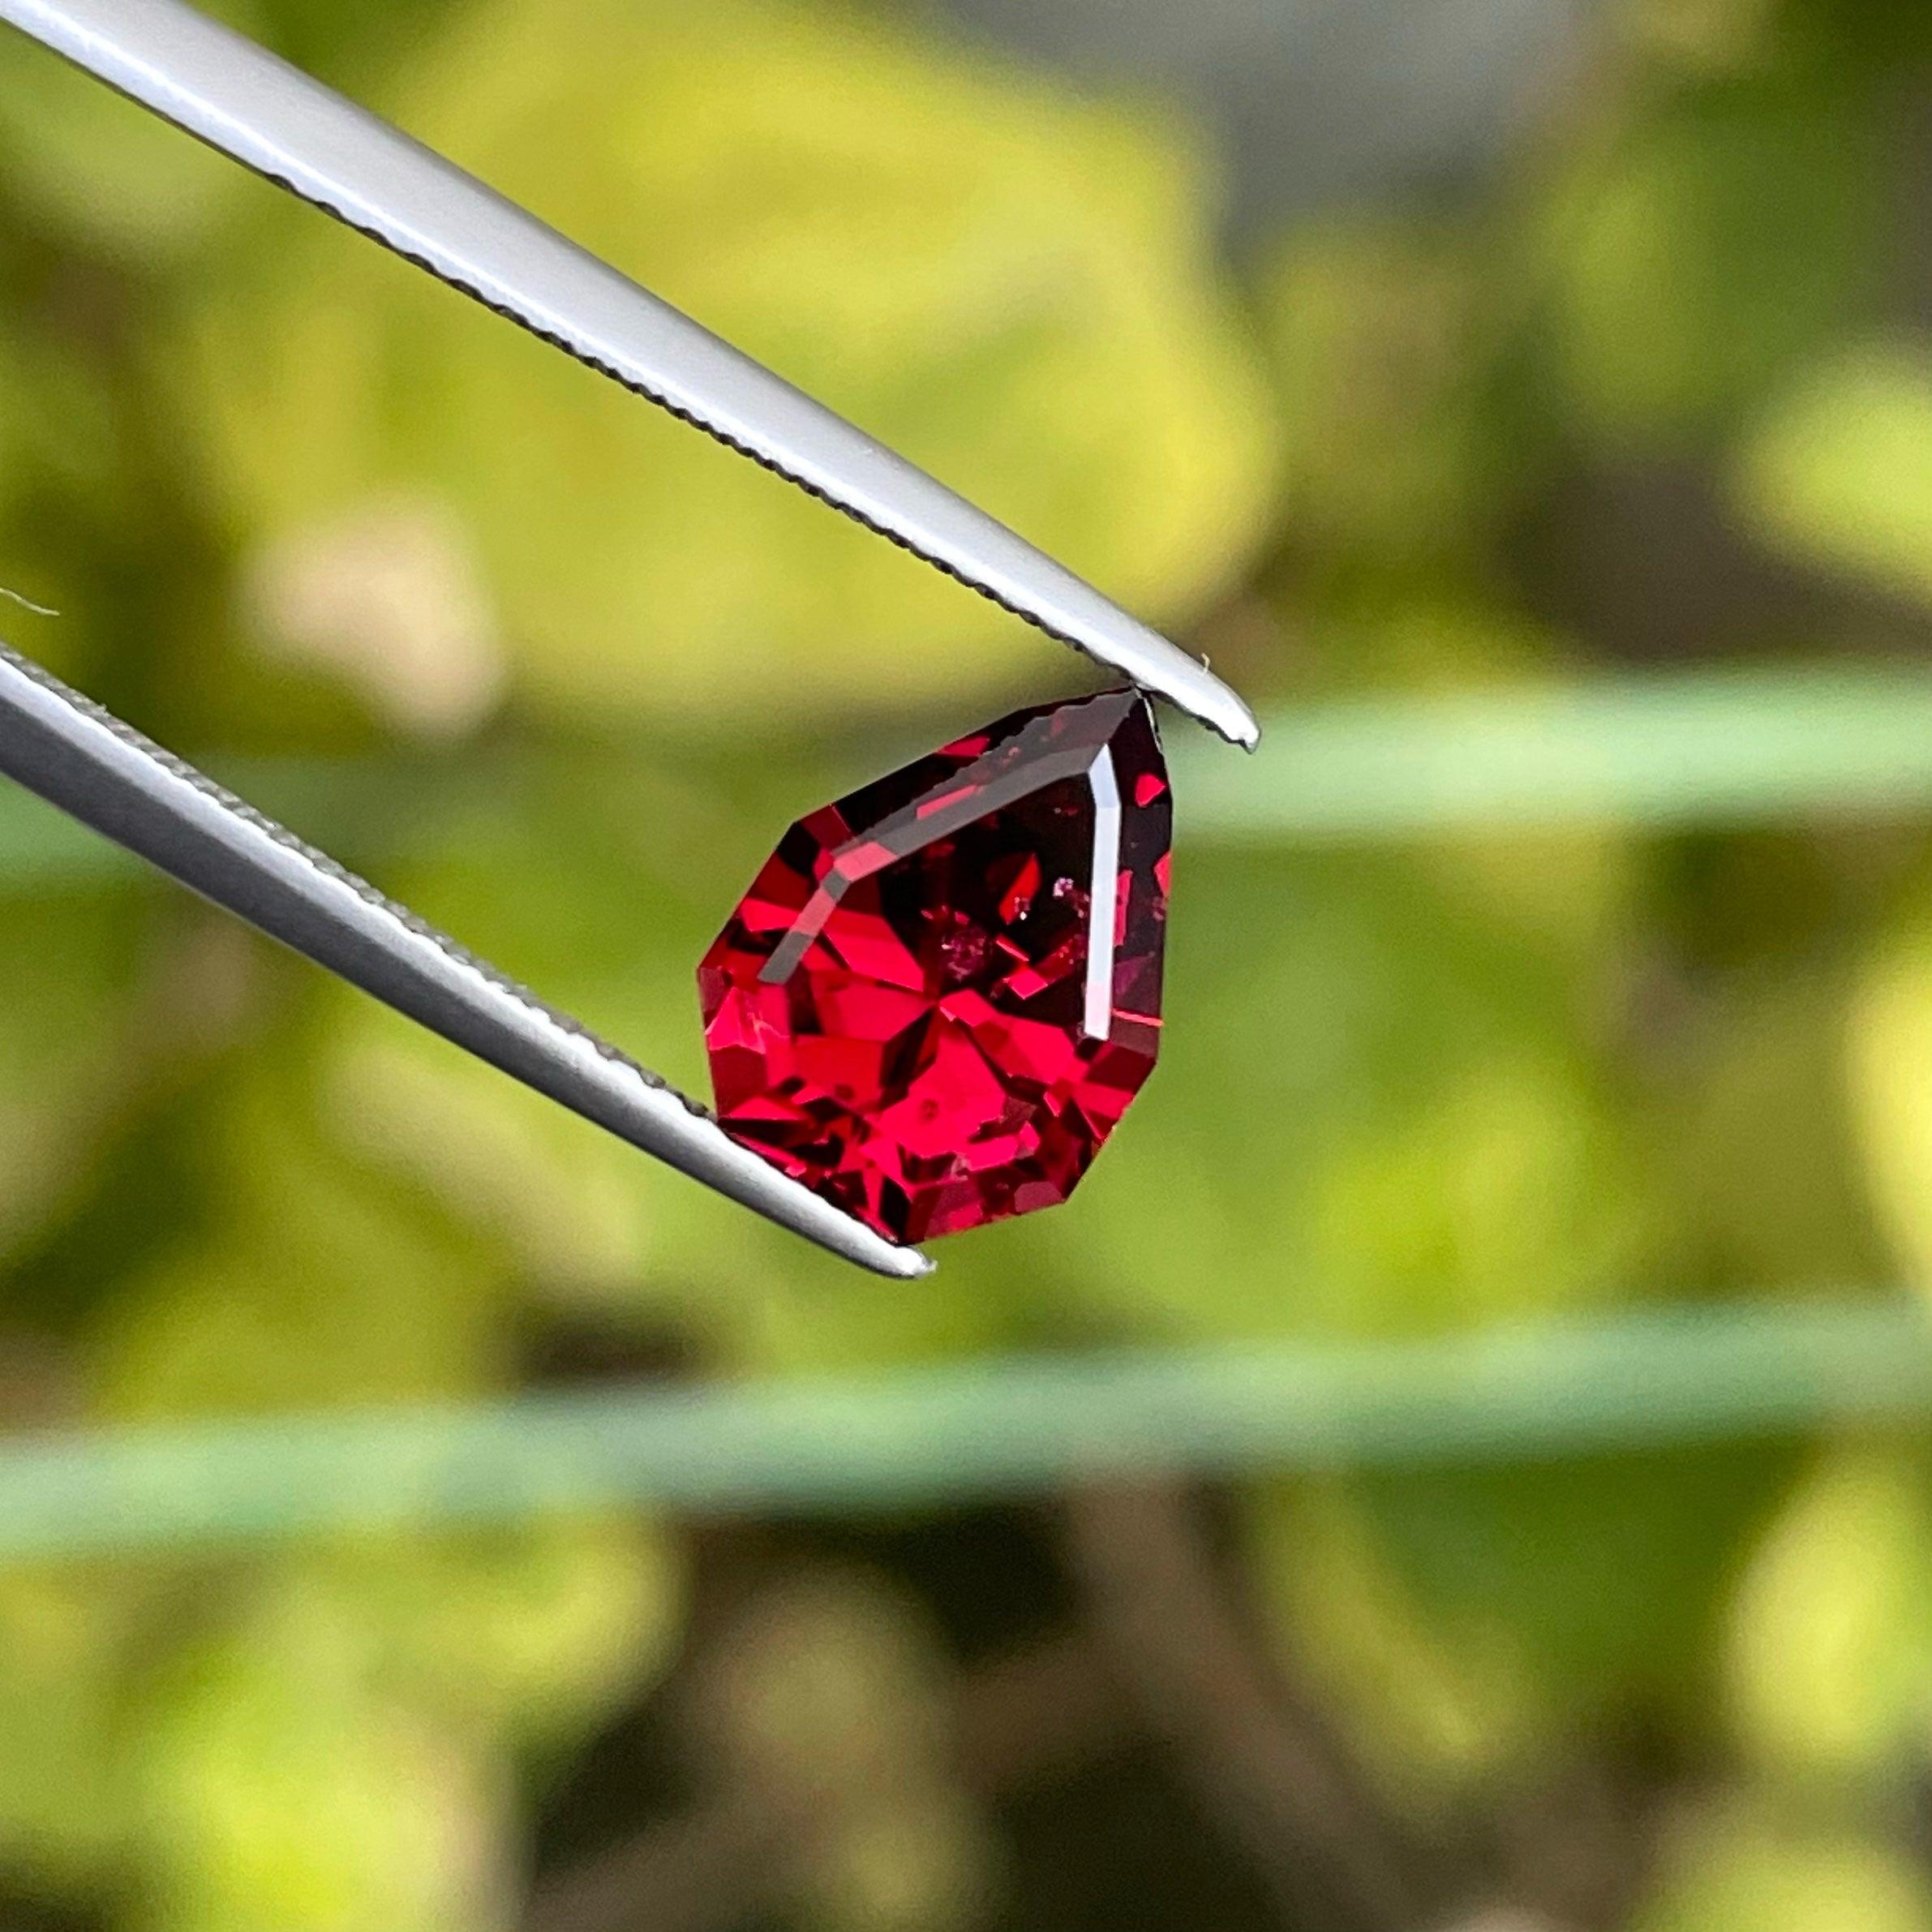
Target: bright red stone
x: 909, y: 1011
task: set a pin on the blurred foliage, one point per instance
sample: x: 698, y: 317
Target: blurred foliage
x: 1660, y: 385
x: 1831, y: 1660
x: 1748, y: 1870
x: 1013, y: 287
x: 1677, y: 300
x: 1837, y: 471
x: 833, y: 1693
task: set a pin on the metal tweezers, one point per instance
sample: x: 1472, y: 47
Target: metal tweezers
x: 255, y: 108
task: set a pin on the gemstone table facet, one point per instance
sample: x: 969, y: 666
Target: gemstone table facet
x: 941, y: 991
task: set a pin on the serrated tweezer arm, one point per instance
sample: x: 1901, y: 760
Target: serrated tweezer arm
x: 243, y: 100
x: 75, y: 755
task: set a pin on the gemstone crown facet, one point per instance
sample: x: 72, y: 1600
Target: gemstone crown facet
x: 941, y: 991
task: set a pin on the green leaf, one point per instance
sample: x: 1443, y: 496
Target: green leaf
x: 1837, y: 474
x: 1733, y: 1869
x: 1700, y: 252
x: 70, y: 969
x: 1429, y: 1709
x: 1829, y: 1651
x: 70, y: 1640
x: 1771, y: 1181
x: 1890, y: 1033
x: 300, y: 1282
x: 1381, y: 346
x: 534, y: 1632
x: 1522, y: 1608
x: 284, y: 1783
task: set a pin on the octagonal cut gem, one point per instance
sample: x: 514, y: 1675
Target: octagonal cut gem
x: 941, y: 992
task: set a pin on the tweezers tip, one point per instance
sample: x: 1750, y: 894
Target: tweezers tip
x: 1222, y: 710
x: 1188, y: 683
x: 879, y: 1254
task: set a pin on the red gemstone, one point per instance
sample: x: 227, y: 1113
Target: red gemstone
x: 941, y: 992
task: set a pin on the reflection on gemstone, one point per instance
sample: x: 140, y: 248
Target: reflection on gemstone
x: 941, y: 992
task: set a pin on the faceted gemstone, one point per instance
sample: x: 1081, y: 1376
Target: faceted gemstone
x: 941, y: 992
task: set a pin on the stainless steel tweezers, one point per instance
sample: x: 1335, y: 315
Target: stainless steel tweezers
x: 254, y: 107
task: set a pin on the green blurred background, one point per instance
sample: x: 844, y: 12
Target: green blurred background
x: 1461, y: 1463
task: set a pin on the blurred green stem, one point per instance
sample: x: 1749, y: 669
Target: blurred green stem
x: 982, y: 1429
x: 1716, y: 748
x: 1702, y: 749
